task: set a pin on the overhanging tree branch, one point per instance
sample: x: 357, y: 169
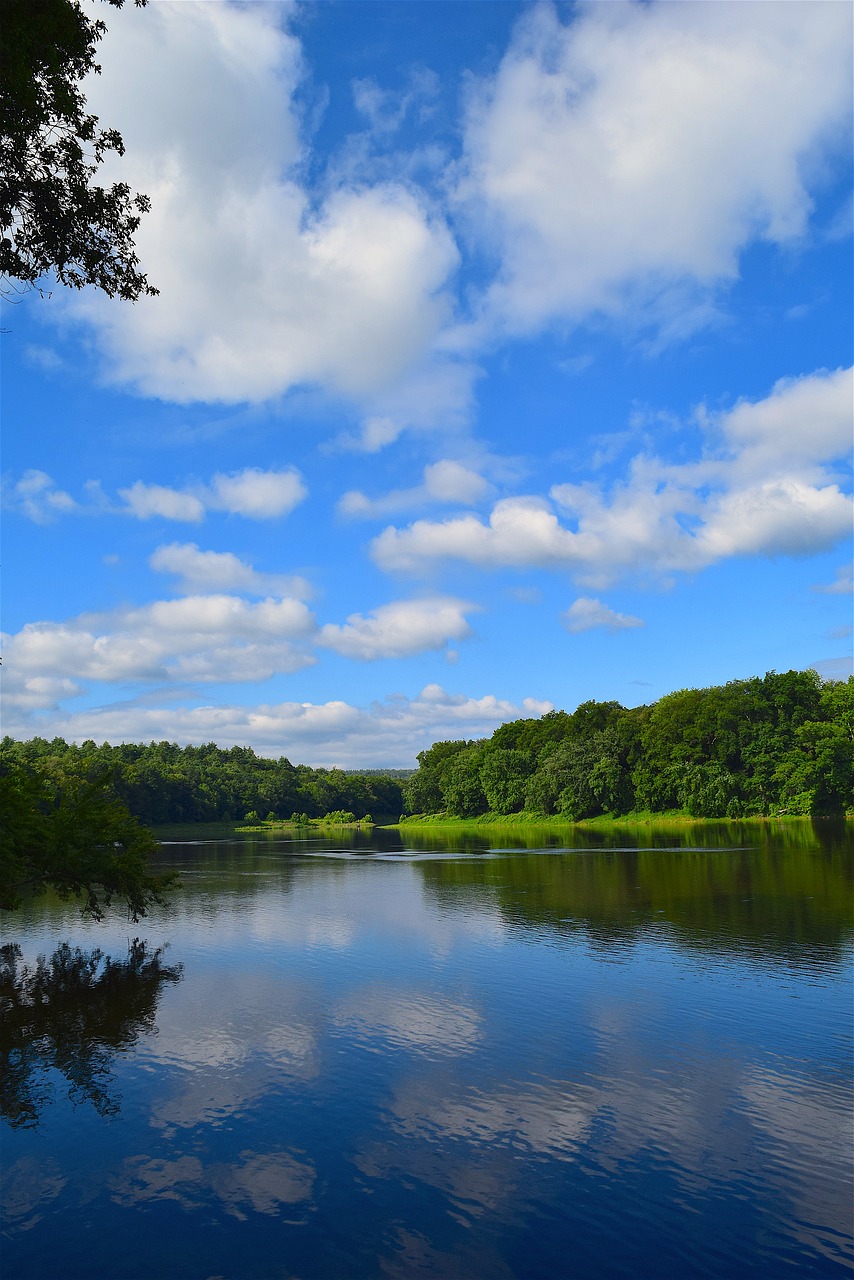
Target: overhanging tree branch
x: 54, y: 217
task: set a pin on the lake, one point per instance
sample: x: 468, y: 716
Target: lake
x: 487, y: 1056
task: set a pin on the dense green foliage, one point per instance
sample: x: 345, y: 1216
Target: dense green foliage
x: 161, y: 783
x: 53, y: 215
x: 780, y: 744
x: 68, y: 832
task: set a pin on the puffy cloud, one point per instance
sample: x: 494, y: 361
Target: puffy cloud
x: 36, y: 496
x: 147, y: 500
x: 259, y: 495
x: 207, y: 638
x: 449, y: 481
x: 399, y: 629
x: 804, y: 423
x: 387, y: 734
x: 444, y: 481
x: 262, y: 286
x: 764, y: 486
x: 586, y: 614
x: 520, y: 532
x: 256, y: 494
x: 201, y: 571
x: 781, y: 517
x: 696, y: 118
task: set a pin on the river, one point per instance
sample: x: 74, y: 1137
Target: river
x: 520, y: 1055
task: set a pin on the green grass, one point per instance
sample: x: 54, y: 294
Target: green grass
x: 638, y: 818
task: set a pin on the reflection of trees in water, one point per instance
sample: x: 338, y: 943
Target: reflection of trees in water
x: 772, y: 903
x: 72, y: 1013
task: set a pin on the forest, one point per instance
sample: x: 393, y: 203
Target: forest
x: 779, y: 744
x: 162, y: 783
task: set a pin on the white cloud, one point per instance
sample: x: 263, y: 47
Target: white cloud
x: 214, y: 638
x: 444, y: 481
x: 587, y: 614
x: 36, y: 496
x: 260, y: 495
x: 765, y: 486
x: 256, y: 494
x: 147, y: 500
x: 375, y: 434
x: 520, y: 532
x: 388, y: 734
x: 620, y: 164
x: 262, y: 287
x: 202, y: 571
x: 400, y: 629
x: 449, y: 481
x: 804, y: 423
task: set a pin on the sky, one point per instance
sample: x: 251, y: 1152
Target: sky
x: 501, y: 361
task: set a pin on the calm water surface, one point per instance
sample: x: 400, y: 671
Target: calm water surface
x: 411, y: 1057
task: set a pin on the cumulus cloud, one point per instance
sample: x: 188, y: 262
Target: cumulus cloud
x: 399, y: 629
x: 260, y: 495
x: 765, y: 485
x: 147, y: 500
x: 386, y: 734
x: 202, y: 571
x: 210, y: 638
x: 253, y: 493
x: 696, y: 118
x: 263, y: 287
x: 445, y: 481
x: 36, y: 496
x: 587, y: 614
x: 256, y: 494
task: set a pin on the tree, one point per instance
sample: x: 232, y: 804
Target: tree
x: 504, y: 776
x: 461, y: 785
x: 423, y: 791
x: 53, y: 215
x: 72, y: 835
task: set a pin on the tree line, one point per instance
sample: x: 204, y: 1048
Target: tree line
x: 782, y: 743
x: 161, y: 782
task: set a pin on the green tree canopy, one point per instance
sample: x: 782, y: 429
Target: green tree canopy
x: 53, y: 215
x: 72, y: 835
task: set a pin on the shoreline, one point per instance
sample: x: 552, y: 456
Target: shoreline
x: 643, y: 819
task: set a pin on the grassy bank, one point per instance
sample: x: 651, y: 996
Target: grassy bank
x: 639, y: 818
x: 222, y: 830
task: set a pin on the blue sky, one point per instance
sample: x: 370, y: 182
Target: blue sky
x: 502, y: 360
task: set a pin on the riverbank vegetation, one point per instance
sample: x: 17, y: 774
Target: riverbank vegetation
x: 72, y: 835
x: 781, y: 744
x: 162, y: 783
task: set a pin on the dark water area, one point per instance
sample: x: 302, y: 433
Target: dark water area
x: 500, y: 1055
